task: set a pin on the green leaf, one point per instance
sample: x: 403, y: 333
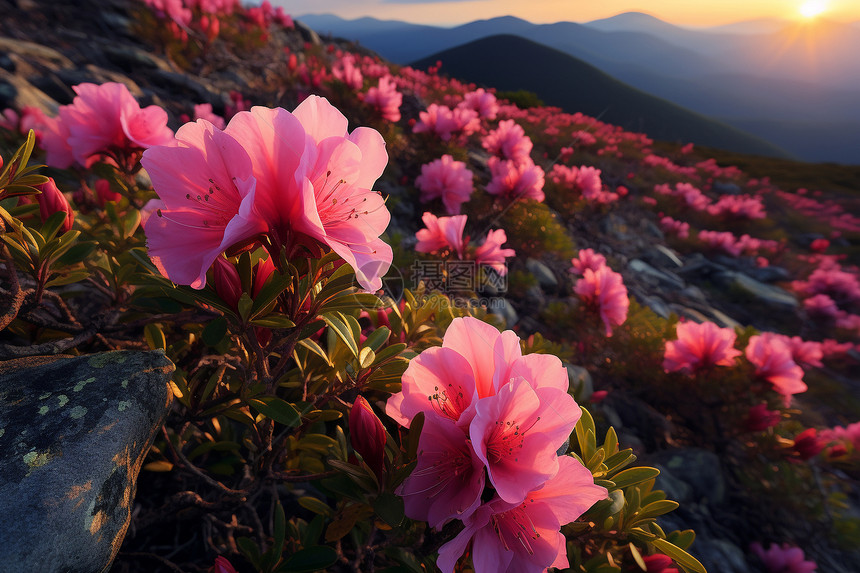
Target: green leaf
x: 53, y: 224
x: 657, y: 508
x: 309, y: 559
x: 314, y: 347
x: 215, y: 331
x: 682, y: 539
x: 250, y: 550
x: 68, y: 278
x: 389, y: 352
x: 366, y: 357
x: 377, y: 338
x: 315, y: 505
x: 634, y: 476
x: 637, y: 557
x: 338, y: 324
x: 154, y: 336
x: 274, y: 320
x: 276, y: 409
x: 389, y: 507
x: 273, y: 288
x: 77, y: 253
x: 279, y: 532
x: 681, y: 557
x: 245, y: 306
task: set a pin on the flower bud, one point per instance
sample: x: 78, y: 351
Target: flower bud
x: 52, y: 200
x: 222, y: 565
x: 807, y: 444
x: 367, y: 435
x: 227, y: 282
x: 658, y: 563
x: 104, y: 193
x: 760, y: 418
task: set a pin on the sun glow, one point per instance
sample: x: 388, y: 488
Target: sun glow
x: 813, y: 8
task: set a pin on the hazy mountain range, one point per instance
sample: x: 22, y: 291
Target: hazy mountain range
x: 796, y: 85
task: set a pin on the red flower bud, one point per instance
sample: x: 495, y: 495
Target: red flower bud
x: 265, y: 268
x: 760, y: 418
x: 367, y: 435
x: 222, y: 566
x: 659, y: 563
x: 807, y: 444
x: 227, y: 282
x: 104, y: 193
x: 52, y: 200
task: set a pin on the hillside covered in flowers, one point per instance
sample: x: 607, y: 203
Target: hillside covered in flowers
x: 417, y: 324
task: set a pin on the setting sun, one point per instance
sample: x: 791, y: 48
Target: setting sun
x: 813, y: 8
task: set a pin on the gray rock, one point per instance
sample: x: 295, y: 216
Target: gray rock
x: 662, y: 257
x: 688, y: 312
x: 17, y: 92
x: 720, y: 555
x: 131, y: 59
x: 74, y: 432
x: 182, y: 84
x: 726, y: 188
x: 580, y: 381
x: 501, y: 307
x: 722, y: 319
x: 615, y: 227
x: 699, y: 469
x: 699, y: 267
x: 545, y: 277
x: 649, y: 228
x: 769, y: 274
x: 49, y: 57
x: 769, y: 295
x: 535, y: 298
x: 694, y: 293
x: 659, y: 307
x: 658, y: 278
x: 308, y: 35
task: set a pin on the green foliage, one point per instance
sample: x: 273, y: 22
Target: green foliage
x: 533, y: 230
x: 523, y: 99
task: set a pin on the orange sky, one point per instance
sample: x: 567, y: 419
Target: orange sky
x: 681, y: 12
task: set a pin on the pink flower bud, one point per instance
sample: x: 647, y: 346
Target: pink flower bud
x: 367, y: 435
x: 659, y: 563
x: 760, y: 418
x: 104, y: 193
x: 227, y: 282
x: 222, y: 566
x: 52, y: 200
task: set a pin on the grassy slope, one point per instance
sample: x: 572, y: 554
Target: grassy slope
x: 513, y: 63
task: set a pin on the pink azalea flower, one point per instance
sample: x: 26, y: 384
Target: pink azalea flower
x: 440, y: 233
x: 204, y: 111
x: 448, y: 179
x: 680, y: 228
x: 700, y: 346
x: 107, y: 119
x: 605, y: 289
x: 508, y: 141
x: 783, y: 559
x: 385, y: 98
x: 482, y: 102
x: 203, y: 179
x: 773, y: 362
x: 299, y: 178
x: 821, y: 305
x: 518, y: 181
x: 517, y: 432
x: 491, y: 253
x: 222, y: 565
x: 346, y: 71
x: 448, y: 480
x: 475, y: 359
x: 587, y: 259
x: 54, y: 136
x: 367, y: 435
x: 438, y: 119
x: 659, y: 563
x: 525, y: 537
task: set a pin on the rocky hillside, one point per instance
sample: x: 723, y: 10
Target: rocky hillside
x: 594, y: 244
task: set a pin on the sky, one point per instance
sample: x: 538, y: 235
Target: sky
x: 695, y: 13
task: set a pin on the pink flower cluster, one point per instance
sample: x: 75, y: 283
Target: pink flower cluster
x: 783, y: 559
x: 447, y: 123
x: 584, y: 181
x: 446, y: 233
x: 481, y: 101
x: 346, y: 71
x: 298, y: 179
x: 736, y: 246
x: 738, y: 207
x: 516, y: 180
x: 509, y: 141
x: 385, y: 98
x: 775, y: 364
x: 448, y: 179
x: 675, y: 227
x: 487, y: 456
x: 102, y: 121
x: 700, y: 347
x: 602, y: 288
x: 689, y: 196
